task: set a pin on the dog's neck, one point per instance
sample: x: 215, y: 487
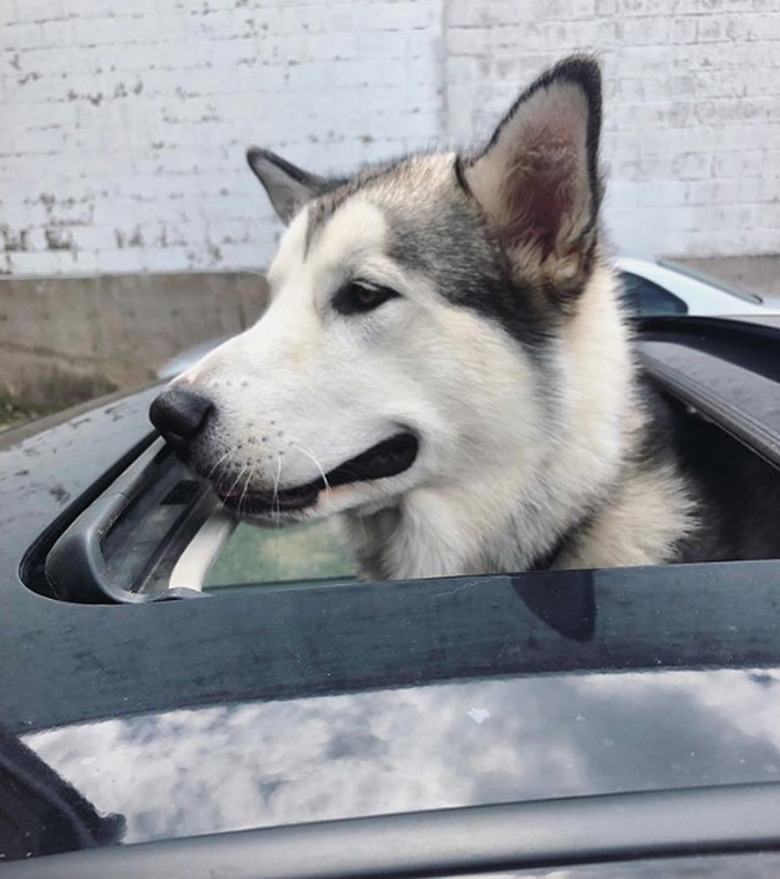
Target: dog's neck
x: 464, y: 531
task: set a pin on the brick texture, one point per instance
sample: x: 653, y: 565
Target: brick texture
x: 125, y: 124
x: 692, y: 109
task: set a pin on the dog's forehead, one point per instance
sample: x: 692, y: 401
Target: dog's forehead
x: 362, y: 218
x: 356, y: 232
x: 398, y: 186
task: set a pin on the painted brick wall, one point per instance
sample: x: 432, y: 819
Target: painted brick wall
x: 692, y: 108
x: 124, y: 124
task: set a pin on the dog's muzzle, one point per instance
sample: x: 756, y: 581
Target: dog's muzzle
x: 383, y: 460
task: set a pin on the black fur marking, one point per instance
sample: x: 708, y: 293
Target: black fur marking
x: 311, y: 184
x: 460, y: 175
x: 256, y: 154
x: 446, y: 237
x: 450, y: 244
x: 448, y: 240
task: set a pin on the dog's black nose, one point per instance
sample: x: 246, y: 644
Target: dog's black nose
x: 179, y: 414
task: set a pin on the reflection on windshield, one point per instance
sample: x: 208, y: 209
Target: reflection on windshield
x: 261, y: 764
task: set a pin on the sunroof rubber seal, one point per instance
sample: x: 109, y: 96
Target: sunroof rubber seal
x: 77, y: 568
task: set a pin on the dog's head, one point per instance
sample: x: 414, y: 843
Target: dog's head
x: 412, y: 309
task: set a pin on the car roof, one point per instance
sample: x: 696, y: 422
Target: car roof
x: 592, y: 682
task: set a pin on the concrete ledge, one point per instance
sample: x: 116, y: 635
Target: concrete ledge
x: 64, y: 340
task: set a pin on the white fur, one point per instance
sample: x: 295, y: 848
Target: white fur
x: 321, y: 386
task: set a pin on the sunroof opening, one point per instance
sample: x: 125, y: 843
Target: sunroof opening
x: 158, y: 532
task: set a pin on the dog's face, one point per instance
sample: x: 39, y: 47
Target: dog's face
x: 410, y: 306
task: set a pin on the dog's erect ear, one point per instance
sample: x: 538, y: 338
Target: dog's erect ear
x: 537, y: 180
x: 288, y: 187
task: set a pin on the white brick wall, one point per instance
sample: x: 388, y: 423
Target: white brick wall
x: 124, y: 123
x: 692, y: 108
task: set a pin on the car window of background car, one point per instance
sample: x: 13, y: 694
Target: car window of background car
x: 646, y: 298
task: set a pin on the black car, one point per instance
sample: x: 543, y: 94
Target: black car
x: 163, y: 713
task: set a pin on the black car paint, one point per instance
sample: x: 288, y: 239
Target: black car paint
x: 191, y: 717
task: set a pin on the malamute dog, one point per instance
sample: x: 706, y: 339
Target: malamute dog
x: 445, y: 364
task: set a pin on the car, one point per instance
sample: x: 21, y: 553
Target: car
x: 658, y: 288
x: 183, y: 697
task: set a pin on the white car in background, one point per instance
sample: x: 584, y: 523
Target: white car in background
x: 649, y: 289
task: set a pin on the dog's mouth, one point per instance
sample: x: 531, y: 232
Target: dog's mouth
x: 388, y: 458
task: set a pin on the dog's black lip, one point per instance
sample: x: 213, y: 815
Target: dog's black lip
x: 387, y: 458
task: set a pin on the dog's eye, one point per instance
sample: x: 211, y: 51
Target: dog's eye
x: 360, y: 296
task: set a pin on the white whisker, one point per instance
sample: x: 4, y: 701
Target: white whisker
x: 246, y: 487
x: 275, y: 502
x: 238, y: 478
x: 214, y: 467
x: 276, y: 508
x: 317, y: 464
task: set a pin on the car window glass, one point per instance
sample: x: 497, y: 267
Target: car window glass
x: 647, y: 299
x: 295, y: 554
